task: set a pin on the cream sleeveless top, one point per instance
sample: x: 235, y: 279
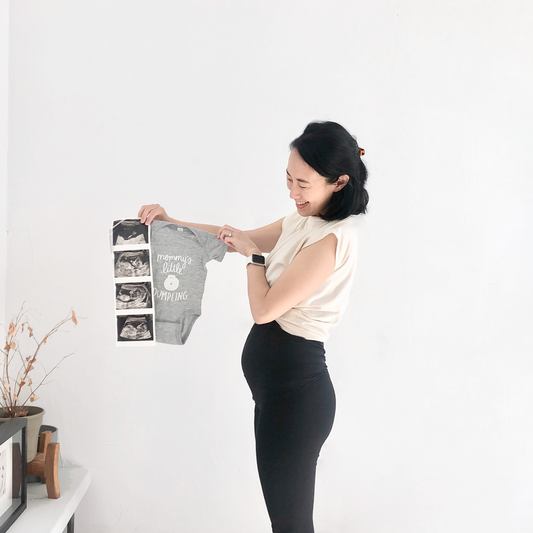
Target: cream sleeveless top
x: 318, y: 313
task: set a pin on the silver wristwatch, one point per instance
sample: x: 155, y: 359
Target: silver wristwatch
x: 256, y: 259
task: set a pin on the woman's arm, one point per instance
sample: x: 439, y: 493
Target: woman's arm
x: 309, y: 269
x: 149, y: 213
x: 265, y: 238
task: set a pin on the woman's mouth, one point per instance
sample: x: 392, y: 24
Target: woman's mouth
x: 301, y: 205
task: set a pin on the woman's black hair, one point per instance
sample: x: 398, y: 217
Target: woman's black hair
x: 329, y: 149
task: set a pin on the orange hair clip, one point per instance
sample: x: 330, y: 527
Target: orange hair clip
x: 361, y: 152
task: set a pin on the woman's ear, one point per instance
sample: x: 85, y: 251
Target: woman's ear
x: 341, y: 182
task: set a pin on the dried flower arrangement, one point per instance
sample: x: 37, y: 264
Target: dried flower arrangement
x: 16, y: 374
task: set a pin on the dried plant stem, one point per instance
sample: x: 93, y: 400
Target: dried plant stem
x: 13, y: 328
x: 29, y: 363
x: 34, y: 390
x: 11, y: 388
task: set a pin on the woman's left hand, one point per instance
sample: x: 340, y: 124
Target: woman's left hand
x: 238, y: 240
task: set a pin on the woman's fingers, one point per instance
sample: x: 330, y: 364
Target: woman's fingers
x: 144, y: 211
x: 221, y: 232
x: 226, y: 232
x: 230, y: 236
x: 148, y: 213
x: 237, y: 239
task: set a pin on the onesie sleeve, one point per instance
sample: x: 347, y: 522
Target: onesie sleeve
x: 215, y: 248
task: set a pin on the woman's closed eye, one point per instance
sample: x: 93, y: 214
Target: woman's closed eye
x: 289, y: 180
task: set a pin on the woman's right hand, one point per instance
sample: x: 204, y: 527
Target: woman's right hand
x: 149, y: 213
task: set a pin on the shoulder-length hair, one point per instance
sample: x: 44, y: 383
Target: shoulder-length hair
x: 329, y: 149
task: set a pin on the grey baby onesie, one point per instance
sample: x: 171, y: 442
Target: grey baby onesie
x: 179, y: 256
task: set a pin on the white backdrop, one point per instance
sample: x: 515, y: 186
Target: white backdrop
x: 117, y: 103
x: 4, y: 44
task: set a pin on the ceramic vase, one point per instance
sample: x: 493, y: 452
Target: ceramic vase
x: 35, y: 419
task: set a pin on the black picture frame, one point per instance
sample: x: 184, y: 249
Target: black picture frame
x: 13, y: 484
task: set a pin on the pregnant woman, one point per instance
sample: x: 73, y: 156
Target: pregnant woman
x: 297, y: 294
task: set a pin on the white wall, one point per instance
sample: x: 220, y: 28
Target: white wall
x: 4, y: 62
x: 117, y: 103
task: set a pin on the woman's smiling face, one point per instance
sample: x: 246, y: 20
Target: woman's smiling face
x: 308, y: 188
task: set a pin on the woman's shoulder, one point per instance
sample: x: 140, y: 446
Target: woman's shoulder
x: 346, y: 226
x: 295, y: 223
x: 291, y: 221
x: 317, y: 229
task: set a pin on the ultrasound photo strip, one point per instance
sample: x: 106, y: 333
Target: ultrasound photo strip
x: 134, y: 312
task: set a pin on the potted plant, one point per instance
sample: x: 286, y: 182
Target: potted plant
x: 17, y: 388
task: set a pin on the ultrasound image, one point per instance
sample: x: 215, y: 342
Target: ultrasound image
x: 135, y: 328
x: 133, y: 264
x: 134, y: 295
x: 129, y: 231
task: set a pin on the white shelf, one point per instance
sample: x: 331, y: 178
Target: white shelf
x: 43, y: 515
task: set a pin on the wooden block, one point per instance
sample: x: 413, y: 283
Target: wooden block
x: 36, y: 467
x: 50, y: 470
x: 45, y: 438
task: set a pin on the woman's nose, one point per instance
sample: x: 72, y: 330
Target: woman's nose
x: 293, y: 192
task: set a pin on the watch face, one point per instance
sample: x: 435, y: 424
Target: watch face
x: 259, y: 259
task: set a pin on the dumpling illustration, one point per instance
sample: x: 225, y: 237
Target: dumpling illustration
x: 171, y: 283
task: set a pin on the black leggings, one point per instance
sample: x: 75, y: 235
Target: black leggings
x: 294, y: 412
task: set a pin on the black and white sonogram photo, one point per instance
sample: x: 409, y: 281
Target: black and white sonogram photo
x: 132, y: 264
x: 134, y: 295
x: 135, y: 328
x: 129, y: 231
